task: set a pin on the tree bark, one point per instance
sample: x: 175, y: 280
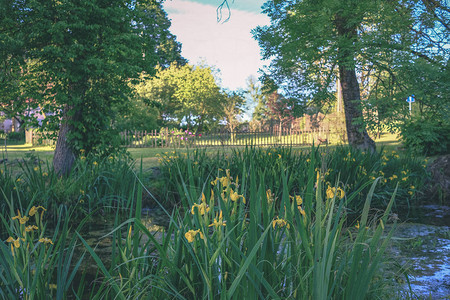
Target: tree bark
x: 356, y: 133
x: 64, y: 157
x: 351, y: 95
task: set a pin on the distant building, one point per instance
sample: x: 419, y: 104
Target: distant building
x: 7, y: 125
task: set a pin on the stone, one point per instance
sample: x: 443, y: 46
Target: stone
x: 439, y: 185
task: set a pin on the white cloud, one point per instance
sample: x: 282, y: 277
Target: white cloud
x: 229, y: 46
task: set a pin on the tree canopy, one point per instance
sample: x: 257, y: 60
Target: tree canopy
x: 311, y: 44
x: 188, y: 94
x: 84, y: 54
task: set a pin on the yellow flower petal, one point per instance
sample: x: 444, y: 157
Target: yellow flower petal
x: 45, y: 241
x: 31, y: 228
x: 190, y: 235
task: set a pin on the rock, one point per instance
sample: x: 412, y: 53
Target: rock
x: 156, y: 172
x: 439, y: 185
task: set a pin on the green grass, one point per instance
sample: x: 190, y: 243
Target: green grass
x: 19, y: 151
x: 149, y: 156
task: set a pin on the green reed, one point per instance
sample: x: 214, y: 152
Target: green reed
x: 352, y: 168
x: 93, y: 184
x: 34, y: 265
x: 233, y: 237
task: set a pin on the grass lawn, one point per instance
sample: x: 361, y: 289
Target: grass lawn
x: 13, y: 152
x: 149, y: 156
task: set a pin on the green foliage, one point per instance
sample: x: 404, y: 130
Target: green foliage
x: 16, y: 136
x: 307, y: 46
x: 226, y: 246
x: 84, y: 54
x: 13, y: 66
x: 245, y: 226
x: 94, y: 183
x: 233, y: 109
x: 430, y: 84
x: 32, y: 264
x: 350, y: 167
x: 138, y: 116
x: 255, y: 93
x: 188, y: 94
x: 308, y: 41
x: 426, y: 136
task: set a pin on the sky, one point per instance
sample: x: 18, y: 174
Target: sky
x: 228, y: 46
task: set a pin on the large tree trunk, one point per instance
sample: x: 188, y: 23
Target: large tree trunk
x: 64, y: 157
x: 356, y: 131
x: 351, y: 96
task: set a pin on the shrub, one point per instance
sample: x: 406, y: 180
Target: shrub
x: 16, y: 136
x: 426, y: 135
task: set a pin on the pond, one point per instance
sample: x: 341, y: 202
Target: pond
x: 423, y: 245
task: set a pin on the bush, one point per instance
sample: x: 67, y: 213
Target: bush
x: 16, y: 136
x: 427, y: 136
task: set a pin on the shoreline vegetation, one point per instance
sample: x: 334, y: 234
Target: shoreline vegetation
x: 272, y: 222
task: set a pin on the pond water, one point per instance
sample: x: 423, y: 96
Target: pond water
x: 98, y: 235
x: 425, y: 249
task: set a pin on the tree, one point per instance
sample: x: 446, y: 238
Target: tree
x: 258, y: 100
x: 139, y: 116
x: 86, y: 53
x: 233, y: 107
x: 280, y: 109
x: 186, y: 93
x: 12, y: 63
x: 424, y: 73
x: 311, y: 43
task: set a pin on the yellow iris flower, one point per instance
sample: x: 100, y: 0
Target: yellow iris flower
x: 45, y: 241
x: 218, y: 221
x: 269, y: 196
x: 190, y: 235
x: 15, y: 242
x: 34, y: 210
x: 298, y: 199
x: 280, y: 223
x: 234, y: 196
x: 31, y: 228
x: 331, y: 191
x: 202, y: 207
x: 22, y: 220
x: 302, y: 211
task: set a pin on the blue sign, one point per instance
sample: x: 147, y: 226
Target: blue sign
x: 411, y: 99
